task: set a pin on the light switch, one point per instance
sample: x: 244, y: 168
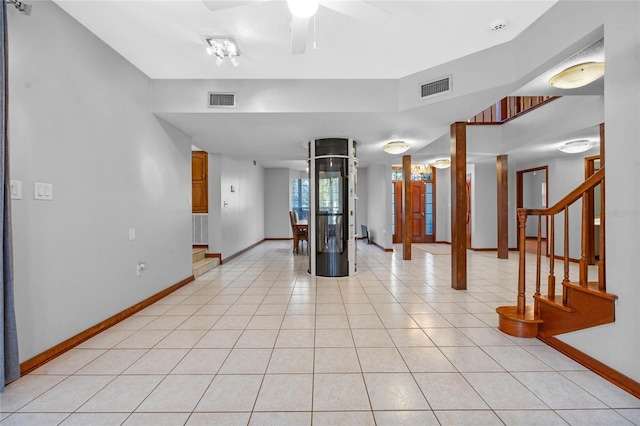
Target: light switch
x: 16, y: 190
x: 132, y: 234
x: 42, y: 191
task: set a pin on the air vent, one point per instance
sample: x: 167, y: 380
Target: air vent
x: 436, y: 87
x: 222, y: 100
x: 200, y: 228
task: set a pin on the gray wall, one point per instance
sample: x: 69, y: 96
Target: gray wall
x: 484, y: 206
x: 81, y: 119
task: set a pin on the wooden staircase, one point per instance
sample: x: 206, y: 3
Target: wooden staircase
x: 201, y: 263
x: 582, y: 303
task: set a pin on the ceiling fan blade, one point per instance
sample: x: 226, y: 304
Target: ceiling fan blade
x: 358, y: 9
x: 225, y: 4
x: 299, y: 31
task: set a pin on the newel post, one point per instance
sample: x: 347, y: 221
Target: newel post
x: 522, y: 223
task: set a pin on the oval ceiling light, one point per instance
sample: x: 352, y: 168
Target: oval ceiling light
x: 396, y: 147
x: 578, y: 75
x: 442, y: 163
x: 303, y: 8
x: 574, y: 147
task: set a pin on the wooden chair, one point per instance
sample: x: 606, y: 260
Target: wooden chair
x: 299, y: 234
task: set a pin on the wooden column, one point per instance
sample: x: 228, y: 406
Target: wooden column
x: 406, y: 214
x: 459, y: 206
x: 502, y: 171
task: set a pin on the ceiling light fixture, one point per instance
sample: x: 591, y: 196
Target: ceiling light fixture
x: 441, y: 163
x: 303, y: 8
x: 396, y: 147
x: 574, y: 147
x: 578, y: 75
x: 221, y: 48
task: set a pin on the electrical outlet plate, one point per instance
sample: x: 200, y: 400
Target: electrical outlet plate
x: 42, y: 191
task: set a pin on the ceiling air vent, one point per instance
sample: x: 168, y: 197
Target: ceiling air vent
x: 222, y: 100
x: 435, y: 87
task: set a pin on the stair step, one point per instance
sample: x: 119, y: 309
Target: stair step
x: 556, y: 302
x: 205, y: 265
x: 519, y: 325
x: 198, y: 254
x: 592, y: 288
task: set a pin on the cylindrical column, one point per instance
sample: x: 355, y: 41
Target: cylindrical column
x: 333, y: 171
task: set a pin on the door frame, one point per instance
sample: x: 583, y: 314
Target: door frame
x: 520, y: 199
x: 589, y: 169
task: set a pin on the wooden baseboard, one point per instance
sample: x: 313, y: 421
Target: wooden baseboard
x: 388, y: 250
x: 443, y: 242
x: 603, y: 370
x: 213, y: 256
x: 571, y: 259
x: 57, y: 350
x: 483, y: 249
x: 278, y: 239
x: 233, y: 256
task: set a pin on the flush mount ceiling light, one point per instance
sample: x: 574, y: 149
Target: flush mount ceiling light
x: 578, y: 75
x: 221, y: 48
x: 396, y: 147
x: 441, y: 163
x: 303, y: 8
x: 574, y: 147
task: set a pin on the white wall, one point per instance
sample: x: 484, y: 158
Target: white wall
x: 80, y: 118
x: 443, y: 205
x: 277, y: 203
x: 379, y: 204
x: 484, y: 206
x: 242, y: 218
x: 618, y: 344
x: 362, y: 216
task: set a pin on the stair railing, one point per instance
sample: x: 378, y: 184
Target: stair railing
x: 562, y: 207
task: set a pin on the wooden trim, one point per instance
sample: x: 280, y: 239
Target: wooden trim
x: 406, y: 216
x: 459, y: 199
x: 213, y: 256
x: 603, y: 370
x: 233, y: 256
x: 571, y: 259
x: 390, y: 250
x: 278, y: 239
x: 57, y: 350
x: 483, y: 249
x: 442, y: 242
x: 502, y: 174
x: 571, y: 197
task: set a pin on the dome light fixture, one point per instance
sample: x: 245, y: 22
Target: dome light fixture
x: 396, y: 147
x: 303, y: 8
x: 574, y: 147
x: 442, y: 163
x: 578, y: 75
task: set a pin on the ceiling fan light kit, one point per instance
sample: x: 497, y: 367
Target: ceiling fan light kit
x: 578, y: 75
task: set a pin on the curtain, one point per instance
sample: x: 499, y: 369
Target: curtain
x: 9, y: 341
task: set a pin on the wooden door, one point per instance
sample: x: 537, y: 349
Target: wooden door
x: 418, y: 213
x: 199, y: 185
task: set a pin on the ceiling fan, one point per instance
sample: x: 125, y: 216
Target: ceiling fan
x: 303, y: 10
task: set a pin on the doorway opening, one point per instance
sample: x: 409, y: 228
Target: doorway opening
x: 533, y: 193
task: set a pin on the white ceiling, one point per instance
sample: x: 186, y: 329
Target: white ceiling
x: 165, y: 40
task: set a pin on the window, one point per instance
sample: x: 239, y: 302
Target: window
x: 300, y: 197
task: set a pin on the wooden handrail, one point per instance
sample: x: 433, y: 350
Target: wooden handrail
x: 561, y: 206
x: 571, y: 197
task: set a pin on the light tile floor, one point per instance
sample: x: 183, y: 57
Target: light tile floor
x: 258, y: 341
